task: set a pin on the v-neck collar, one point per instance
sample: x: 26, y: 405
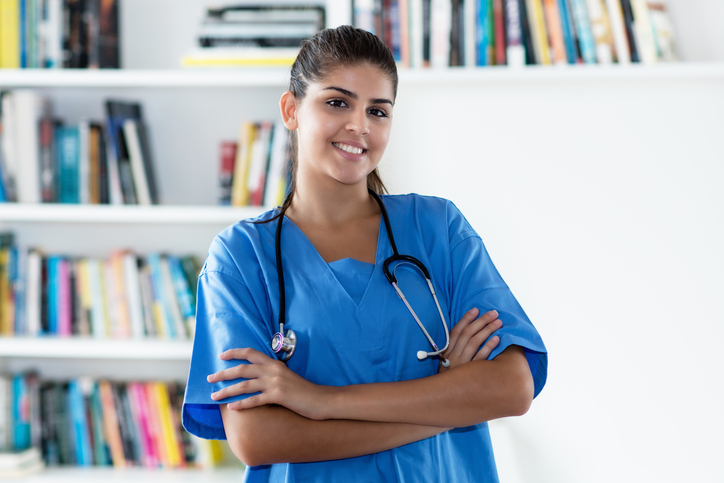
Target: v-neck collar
x: 310, y: 255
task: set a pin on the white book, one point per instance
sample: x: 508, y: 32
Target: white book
x: 275, y: 178
x: 99, y: 328
x: 600, y: 29
x: 440, y: 26
x: 115, y: 193
x: 469, y: 32
x: 111, y: 297
x: 416, y: 33
x: 663, y: 30
x: 33, y: 293
x: 175, y: 312
x: 618, y: 30
x: 27, y: 118
x: 138, y: 167
x: 644, y: 32
x: 84, y: 161
x: 53, y: 34
x: 133, y: 294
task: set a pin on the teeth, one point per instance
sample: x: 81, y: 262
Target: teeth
x: 349, y: 149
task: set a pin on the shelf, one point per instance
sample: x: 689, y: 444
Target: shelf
x: 143, y: 78
x: 90, y: 348
x: 156, y: 214
x: 11, y: 78
x: 138, y: 475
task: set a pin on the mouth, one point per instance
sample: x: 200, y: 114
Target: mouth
x: 349, y: 149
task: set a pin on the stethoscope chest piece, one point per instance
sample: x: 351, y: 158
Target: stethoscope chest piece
x: 284, y: 345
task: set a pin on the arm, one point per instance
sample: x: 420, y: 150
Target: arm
x: 274, y: 434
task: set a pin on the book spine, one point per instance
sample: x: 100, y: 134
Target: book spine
x: 416, y: 33
x: 555, y: 31
x: 628, y: 22
x: 618, y: 31
x: 569, y: 32
x: 499, y: 32
x: 440, y: 27
x: 9, y: 34
x: 111, y: 425
x: 644, y: 31
x: 585, y: 34
x: 227, y: 156
x: 539, y: 32
x: 515, y: 50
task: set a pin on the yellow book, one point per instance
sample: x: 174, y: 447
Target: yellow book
x: 9, y: 34
x: 170, y: 442
x: 240, y: 179
x: 7, y: 305
x: 539, y: 32
x: 121, y: 298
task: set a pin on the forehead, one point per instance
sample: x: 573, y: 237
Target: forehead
x: 365, y: 79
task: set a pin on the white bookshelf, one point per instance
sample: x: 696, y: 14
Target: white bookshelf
x: 140, y: 475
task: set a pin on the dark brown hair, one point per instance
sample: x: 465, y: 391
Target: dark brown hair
x: 319, y: 55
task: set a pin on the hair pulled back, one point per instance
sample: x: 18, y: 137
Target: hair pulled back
x: 320, y: 55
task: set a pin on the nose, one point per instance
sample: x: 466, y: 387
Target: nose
x: 358, y: 123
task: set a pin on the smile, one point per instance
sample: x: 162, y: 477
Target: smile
x: 349, y: 149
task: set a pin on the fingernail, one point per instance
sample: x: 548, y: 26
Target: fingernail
x: 214, y: 395
x: 209, y: 377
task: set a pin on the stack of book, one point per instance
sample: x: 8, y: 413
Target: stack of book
x: 254, y: 35
x: 444, y: 33
x: 59, y: 34
x: 122, y: 296
x: 89, y: 422
x: 43, y: 159
x: 254, y: 168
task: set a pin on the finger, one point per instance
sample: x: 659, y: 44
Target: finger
x: 487, y: 349
x: 249, y: 386
x: 477, y: 340
x: 248, y: 354
x: 245, y: 371
x: 248, y: 403
x: 464, y: 321
x: 468, y: 332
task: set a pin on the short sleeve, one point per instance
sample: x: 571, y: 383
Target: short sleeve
x: 477, y: 283
x: 229, y: 314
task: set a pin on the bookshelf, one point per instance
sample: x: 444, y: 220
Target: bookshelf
x: 190, y: 111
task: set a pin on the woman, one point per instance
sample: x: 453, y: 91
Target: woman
x: 355, y: 401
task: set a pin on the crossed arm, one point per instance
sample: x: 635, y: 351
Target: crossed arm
x: 293, y: 420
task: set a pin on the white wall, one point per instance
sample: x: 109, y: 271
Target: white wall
x: 601, y: 204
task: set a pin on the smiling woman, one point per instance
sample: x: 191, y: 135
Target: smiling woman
x: 365, y: 387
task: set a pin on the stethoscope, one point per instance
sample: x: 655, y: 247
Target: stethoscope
x: 284, y: 343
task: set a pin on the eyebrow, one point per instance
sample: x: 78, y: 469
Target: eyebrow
x: 354, y: 96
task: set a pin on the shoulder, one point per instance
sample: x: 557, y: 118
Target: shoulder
x: 240, y: 245
x: 431, y: 212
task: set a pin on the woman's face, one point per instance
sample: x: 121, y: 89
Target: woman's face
x: 343, y: 125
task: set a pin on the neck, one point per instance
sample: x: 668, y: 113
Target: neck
x: 331, y: 206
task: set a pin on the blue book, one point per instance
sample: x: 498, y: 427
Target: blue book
x: 67, y: 145
x: 79, y: 424
x: 2, y: 184
x: 582, y: 22
x: 481, y: 35
x: 20, y: 413
x: 181, y: 286
x: 53, y: 294
x: 568, y: 33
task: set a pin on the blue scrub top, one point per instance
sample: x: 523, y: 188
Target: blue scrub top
x: 352, y: 328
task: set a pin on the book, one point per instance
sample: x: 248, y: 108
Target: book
x: 9, y: 34
x: 618, y: 31
x: 240, y: 57
x: 570, y: 35
x: 601, y: 30
x: 644, y: 32
x: 20, y: 463
x: 555, y: 32
x: 527, y: 33
x: 440, y: 27
x: 108, y: 34
x: 631, y: 34
x: 20, y: 412
x: 83, y: 161
x: 132, y: 282
x: 515, y: 47
x: 240, y: 183
x: 180, y: 328
x: 5, y: 412
x: 94, y: 163
x: 227, y: 156
x: 183, y: 293
x: 101, y: 451
x: 499, y: 32
x: 259, y: 163
x: 663, y: 30
x: 67, y: 145
x: 278, y: 163
x: 539, y: 32
x: 141, y: 185
x: 27, y: 119
x: 111, y: 423
x: 48, y: 168
x: 117, y: 112
x: 403, y: 7
x: 415, y: 11
x: 582, y: 21
x: 80, y: 434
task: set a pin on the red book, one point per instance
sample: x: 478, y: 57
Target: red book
x: 226, y: 170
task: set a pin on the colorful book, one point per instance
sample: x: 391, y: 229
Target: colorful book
x: 582, y: 21
x: 569, y: 32
x: 499, y: 32
x: 663, y: 30
x: 67, y: 143
x: 601, y: 30
x: 79, y: 423
x: 644, y: 32
x: 227, y: 156
x: 555, y: 31
x: 110, y: 424
x: 240, y: 184
x: 631, y: 34
x: 180, y: 329
x: 259, y: 163
x: 539, y: 31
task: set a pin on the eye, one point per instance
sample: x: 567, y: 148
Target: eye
x: 377, y: 112
x: 337, y: 103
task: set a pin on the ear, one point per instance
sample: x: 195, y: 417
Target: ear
x: 288, y: 107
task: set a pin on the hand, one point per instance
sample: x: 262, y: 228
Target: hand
x: 467, y: 337
x: 273, y: 379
